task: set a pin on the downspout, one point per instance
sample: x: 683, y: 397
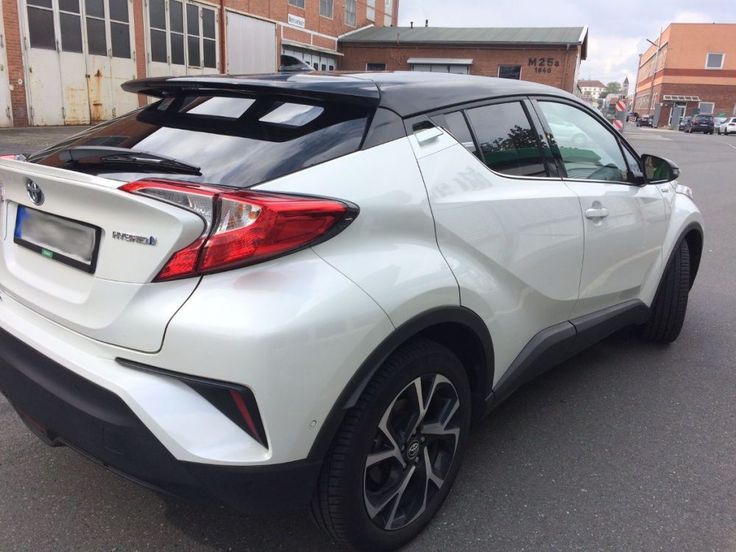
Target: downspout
x: 223, y: 38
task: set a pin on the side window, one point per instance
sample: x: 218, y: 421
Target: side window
x: 588, y: 150
x: 508, y: 143
x: 455, y: 124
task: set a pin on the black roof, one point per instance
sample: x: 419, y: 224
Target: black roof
x: 405, y: 92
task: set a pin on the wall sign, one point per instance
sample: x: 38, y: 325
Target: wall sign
x: 543, y: 65
x: 297, y: 21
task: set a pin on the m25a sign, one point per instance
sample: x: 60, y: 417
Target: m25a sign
x: 543, y: 65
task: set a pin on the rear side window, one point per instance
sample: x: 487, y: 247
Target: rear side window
x: 455, y: 124
x: 508, y: 143
x: 233, y: 140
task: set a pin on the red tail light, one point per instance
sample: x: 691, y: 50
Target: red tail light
x: 243, y: 227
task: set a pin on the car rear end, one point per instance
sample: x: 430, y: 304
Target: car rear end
x: 702, y: 123
x: 165, y: 312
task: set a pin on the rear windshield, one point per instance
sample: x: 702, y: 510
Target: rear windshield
x: 232, y: 140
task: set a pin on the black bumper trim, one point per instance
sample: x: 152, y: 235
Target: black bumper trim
x: 63, y: 408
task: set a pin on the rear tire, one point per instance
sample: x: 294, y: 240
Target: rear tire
x: 375, y: 491
x: 670, y: 303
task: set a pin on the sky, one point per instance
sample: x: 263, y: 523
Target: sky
x: 618, y: 30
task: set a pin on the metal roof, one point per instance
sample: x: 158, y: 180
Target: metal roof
x: 405, y: 92
x: 469, y: 35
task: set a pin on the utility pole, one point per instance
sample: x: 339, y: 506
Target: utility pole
x: 654, y: 73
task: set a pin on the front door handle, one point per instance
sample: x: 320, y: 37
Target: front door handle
x: 596, y: 213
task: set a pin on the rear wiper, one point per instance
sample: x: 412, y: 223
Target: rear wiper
x: 112, y: 156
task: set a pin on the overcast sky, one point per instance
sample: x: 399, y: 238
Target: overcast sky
x: 617, y: 29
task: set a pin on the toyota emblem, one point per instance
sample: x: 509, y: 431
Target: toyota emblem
x: 34, y: 192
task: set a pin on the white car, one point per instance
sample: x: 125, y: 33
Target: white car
x: 728, y: 126
x: 302, y: 289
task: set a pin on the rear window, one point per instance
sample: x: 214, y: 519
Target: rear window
x: 234, y: 140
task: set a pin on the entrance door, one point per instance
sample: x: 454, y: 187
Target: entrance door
x: 6, y: 112
x: 251, y: 45
x: 75, y: 105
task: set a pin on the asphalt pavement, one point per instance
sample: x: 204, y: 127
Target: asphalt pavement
x: 629, y: 446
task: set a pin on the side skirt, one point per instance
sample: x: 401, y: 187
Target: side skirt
x: 562, y: 341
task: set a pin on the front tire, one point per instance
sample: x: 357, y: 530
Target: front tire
x: 398, y: 450
x: 670, y: 303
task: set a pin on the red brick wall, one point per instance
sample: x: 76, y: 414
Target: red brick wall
x: 15, y: 62
x: 486, y: 60
x: 724, y: 97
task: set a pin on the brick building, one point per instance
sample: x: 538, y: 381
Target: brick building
x: 62, y: 61
x: 690, y: 69
x: 545, y: 55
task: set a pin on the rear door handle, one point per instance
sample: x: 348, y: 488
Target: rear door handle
x: 596, y: 213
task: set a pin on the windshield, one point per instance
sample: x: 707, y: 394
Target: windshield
x: 233, y: 141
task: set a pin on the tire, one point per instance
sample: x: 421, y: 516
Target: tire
x: 348, y: 487
x: 670, y: 302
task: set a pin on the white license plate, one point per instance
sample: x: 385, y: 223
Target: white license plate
x: 64, y: 240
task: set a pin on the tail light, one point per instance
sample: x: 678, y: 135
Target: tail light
x: 243, y: 227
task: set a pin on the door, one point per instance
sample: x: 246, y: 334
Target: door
x: 43, y: 70
x: 73, y: 68
x: 625, y: 223
x: 182, y: 38
x: 510, y: 229
x: 109, y: 60
x: 6, y: 111
x: 251, y: 45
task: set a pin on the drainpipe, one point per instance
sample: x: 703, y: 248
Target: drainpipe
x: 223, y: 38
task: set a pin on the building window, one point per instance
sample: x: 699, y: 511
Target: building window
x: 509, y: 71
x: 325, y: 8
x: 370, y: 12
x: 388, y: 13
x: 70, y: 26
x: 706, y: 108
x: 96, y: 38
x: 375, y: 66
x: 350, y: 12
x: 185, y: 34
x: 119, y: 29
x: 297, y: 3
x: 714, y: 61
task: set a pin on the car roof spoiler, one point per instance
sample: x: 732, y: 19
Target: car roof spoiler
x: 306, y: 86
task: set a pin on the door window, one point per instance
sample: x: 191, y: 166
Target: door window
x: 70, y: 26
x: 508, y: 143
x: 455, y: 124
x: 41, y: 24
x: 587, y: 149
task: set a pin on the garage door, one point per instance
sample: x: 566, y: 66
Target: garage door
x: 79, y: 52
x: 6, y: 113
x: 251, y: 45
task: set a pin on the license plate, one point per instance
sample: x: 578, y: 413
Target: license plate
x: 64, y: 240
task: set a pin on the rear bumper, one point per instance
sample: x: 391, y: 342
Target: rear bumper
x: 63, y: 408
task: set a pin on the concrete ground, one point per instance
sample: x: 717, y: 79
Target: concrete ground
x: 629, y: 446
x: 28, y: 140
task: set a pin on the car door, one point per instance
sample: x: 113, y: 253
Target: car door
x: 625, y: 219
x: 509, y: 227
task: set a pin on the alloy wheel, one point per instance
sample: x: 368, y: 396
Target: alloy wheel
x: 412, y: 451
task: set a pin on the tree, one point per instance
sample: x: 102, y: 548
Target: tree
x: 613, y: 88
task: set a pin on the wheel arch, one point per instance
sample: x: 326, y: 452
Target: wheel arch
x: 693, y: 235
x: 457, y: 328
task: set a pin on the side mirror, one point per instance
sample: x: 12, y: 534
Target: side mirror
x: 658, y: 169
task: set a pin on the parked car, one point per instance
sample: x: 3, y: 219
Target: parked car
x: 700, y: 123
x: 718, y: 121
x: 302, y: 289
x: 684, y: 122
x: 644, y: 120
x: 728, y: 126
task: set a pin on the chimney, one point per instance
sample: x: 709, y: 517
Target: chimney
x: 426, y: 22
x: 411, y: 24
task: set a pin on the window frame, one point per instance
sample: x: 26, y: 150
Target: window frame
x: 723, y: 60
x: 711, y: 112
x: 301, y: 6
x: 498, y: 71
x: 332, y: 9
x: 620, y: 140
x: 367, y: 68
x: 354, y: 12
x: 432, y: 116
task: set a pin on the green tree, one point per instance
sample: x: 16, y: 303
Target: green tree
x: 613, y: 88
